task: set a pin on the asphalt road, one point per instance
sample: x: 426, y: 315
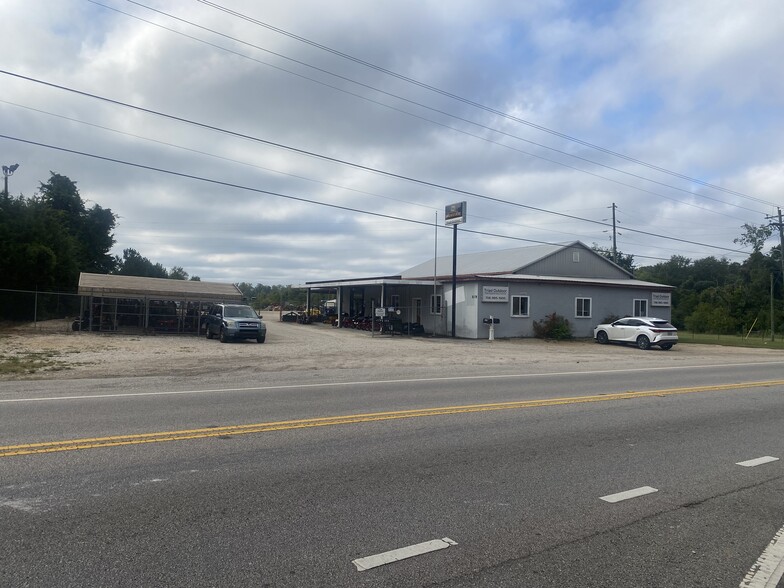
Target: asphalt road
x: 281, y: 483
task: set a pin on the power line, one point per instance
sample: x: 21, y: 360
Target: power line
x: 340, y: 207
x: 220, y: 157
x: 432, y: 109
x: 332, y: 159
x: 241, y: 187
x: 471, y: 102
x: 289, y: 148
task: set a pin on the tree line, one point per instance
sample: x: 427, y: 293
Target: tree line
x: 715, y: 295
x: 46, y: 240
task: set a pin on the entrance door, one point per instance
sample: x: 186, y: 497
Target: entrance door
x: 417, y: 311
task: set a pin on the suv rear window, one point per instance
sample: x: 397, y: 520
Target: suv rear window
x: 662, y: 324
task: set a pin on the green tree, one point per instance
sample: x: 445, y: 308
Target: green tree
x: 624, y: 260
x: 90, y: 227
x: 754, y: 236
x: 178, y: 273
x: 673, y: 272
x: 133, y: 263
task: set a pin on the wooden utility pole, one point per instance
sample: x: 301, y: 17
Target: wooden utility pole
x: 615, y: 247
x: 776, y: 221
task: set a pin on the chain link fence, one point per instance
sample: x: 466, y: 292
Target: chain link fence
x: 67, y: 312
x: 44, y: 311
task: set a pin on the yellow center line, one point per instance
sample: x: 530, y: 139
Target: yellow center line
x: 208, y: 432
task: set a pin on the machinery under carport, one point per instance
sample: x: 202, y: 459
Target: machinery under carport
x: 114, y: 303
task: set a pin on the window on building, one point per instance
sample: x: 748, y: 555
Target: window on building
x: 582, y: 308
x: 435, y: 304
x: 519, y: 305
x: 394, y: 300
x: 640, y: 308
x: 576, y: 256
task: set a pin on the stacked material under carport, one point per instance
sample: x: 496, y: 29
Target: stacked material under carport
x: 136, y: 304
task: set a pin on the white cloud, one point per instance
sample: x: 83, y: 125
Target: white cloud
x: 691, y: 87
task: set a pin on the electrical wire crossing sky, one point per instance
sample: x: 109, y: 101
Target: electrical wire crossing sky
x: 279, y: 144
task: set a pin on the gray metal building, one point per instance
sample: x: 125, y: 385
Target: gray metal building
x: 517, y: 286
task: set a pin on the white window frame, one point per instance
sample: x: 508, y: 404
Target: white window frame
x: 436, y: 304
x: 642, y: 302
x: 517, y: 298
x: 580, y: 312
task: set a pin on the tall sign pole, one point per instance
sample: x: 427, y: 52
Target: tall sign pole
x: 455, y: 214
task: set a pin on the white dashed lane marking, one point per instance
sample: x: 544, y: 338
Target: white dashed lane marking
x: 758, y: 461
x: 628, y: 494
x: 373, y: 561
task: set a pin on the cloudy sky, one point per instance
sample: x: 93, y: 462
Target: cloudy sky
x: 280, y: 142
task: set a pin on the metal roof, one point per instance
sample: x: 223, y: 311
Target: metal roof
x: 485, y: 262
x: 630, y: 283
x: 114, y: 286
x: 391, y: 281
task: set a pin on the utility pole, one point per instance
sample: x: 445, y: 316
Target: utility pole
x: 614, y: 244
x: 780, y: 226
x: 615, y: 248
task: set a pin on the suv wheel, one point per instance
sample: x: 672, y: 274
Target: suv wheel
x: 223, y: 338
x: 209, y: 333
x: 261, y: 338
x: 666, y: 346
x: 643, y: 342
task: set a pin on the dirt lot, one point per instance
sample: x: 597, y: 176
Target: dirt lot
x: 52, y: 351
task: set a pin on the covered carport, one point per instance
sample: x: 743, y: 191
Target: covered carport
x: 411, y: 301
x: 147, y: 305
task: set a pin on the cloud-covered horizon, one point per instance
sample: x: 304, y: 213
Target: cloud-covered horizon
x: 691, y: 88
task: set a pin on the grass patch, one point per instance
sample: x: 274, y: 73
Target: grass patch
x: 754, y: 342
x: 30, y: 363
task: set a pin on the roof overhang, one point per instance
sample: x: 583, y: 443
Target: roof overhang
x: 329, y: 285
x: 615, y: 283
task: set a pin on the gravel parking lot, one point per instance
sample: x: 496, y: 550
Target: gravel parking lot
x: 294, y: 347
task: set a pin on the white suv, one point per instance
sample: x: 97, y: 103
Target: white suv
x: 643, y: 331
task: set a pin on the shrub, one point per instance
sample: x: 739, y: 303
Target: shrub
x: 553, y: 326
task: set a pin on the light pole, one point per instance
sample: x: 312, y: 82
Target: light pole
x: 8, y: 170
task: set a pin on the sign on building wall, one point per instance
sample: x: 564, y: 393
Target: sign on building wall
x: 495, y: 293
x: 661, y: 299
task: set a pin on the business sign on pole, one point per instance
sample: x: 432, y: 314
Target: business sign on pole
x: 455, y: 214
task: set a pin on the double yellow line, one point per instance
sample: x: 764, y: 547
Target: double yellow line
x: 205, y: 433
